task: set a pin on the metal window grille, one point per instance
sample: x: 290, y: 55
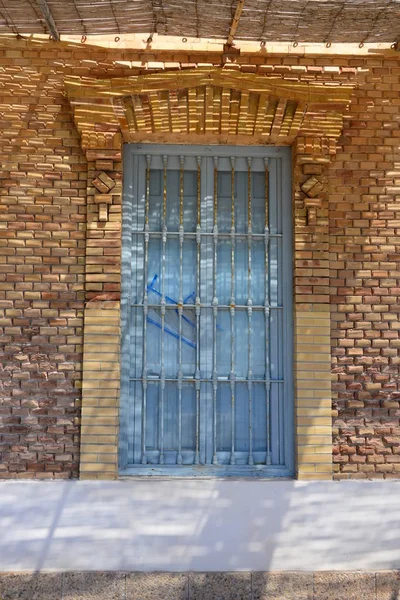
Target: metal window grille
x: 207, y: 336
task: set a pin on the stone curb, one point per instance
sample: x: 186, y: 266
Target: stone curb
x: 380, y: 585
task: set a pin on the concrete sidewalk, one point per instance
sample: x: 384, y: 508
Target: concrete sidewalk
x: 199, y: 526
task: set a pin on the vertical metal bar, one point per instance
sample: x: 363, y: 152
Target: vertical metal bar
x: 232, y: 310
x: 267, y: 315
x: 180, y: 309
x: 163, y: 303
x: 215, y: 310
x: 249, y: 313
x: 197, y: 373
x: 145, y: 308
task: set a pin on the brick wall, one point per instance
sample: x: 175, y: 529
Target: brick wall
x: 44, y: 238
x: 42, y: 247
x: 364, y: 220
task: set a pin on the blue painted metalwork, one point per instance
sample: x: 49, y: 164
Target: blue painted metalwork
x: 197, y: 394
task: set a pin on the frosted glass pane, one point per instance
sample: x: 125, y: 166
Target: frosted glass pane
x: 258, y: 344
x: 241, y: 272
x: 224, y: 343
x: 224, y: 417
x: 189, y: 271
x: 224, y: 272
x: 153, y: 357
x: 172, y: 271
x: 224, y: 201
x: 258, y: 202
x: 155, y: 200
x: 154, y: 264
x: 152, y: 417
x: 241, y: 418
x: 190, y: 200
x: 258, y: 272
x: 188, y: 417
x: 241, y: 201
x: 172, y: 200
x: 241, y: 346
x: 170, y: 417
x: 259, y: 418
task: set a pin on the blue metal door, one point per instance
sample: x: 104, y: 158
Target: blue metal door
x: 207, y: 337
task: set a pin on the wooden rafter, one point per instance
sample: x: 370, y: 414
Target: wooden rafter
x: 235, y: 22
x: 48, y: 17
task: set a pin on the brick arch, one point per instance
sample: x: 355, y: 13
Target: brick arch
x: 205, y: 105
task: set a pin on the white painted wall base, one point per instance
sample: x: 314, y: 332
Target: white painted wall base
x: 202, y: 525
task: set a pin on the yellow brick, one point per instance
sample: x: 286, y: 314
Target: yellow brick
x: 111, y: 439
x: 320, y: 421
x: 100, y: 338
x: 103, y: 330
x: 315, y: 429
x: 105, y: 356
x: 108, y: 457
x: 313, y: 404
x: 87, y: 457
x: 94, y: 383
x: 306, y: 468
x: 111, y: 394
x: 102, y: 320
x: 313, y: 477
x: 101, y: 374
x: 102, y: 312
x: 314, y: 366
x: 100, y: 420
x: 323, y: 349
x: 99, y: 448
x: 309, y: 357
x: 321, y: 385
x: 312, y: 458
x: 90, y: 366
x: 89, y: 429
x: 97, y: 467
x: 303, y: 440
x: 314, y: 449
x: 89, y: 411
x: 324, y: 469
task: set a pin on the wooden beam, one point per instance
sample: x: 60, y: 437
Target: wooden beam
x: 235, y: 22
x: 48, y: 17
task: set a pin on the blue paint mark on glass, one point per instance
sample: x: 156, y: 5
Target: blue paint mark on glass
x: 171, y: 326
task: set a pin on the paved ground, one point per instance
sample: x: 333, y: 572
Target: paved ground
x: 199, y: 525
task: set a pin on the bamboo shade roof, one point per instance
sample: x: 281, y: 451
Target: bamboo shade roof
x: 318, y: 21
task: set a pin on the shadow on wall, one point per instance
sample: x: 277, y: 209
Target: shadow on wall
x: 201, y: 525
x: 365, y: 283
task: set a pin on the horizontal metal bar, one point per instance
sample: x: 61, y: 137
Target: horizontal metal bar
x: 208, y: 471
x: 188, y: 456
x: 222, y: 306
x: 195, y: 234
x: 225, y: 379
x: 210, y: 150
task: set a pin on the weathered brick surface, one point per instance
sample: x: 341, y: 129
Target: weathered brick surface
x: 42, y: 246
x: 54, y: 249
x: 364, y: 219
